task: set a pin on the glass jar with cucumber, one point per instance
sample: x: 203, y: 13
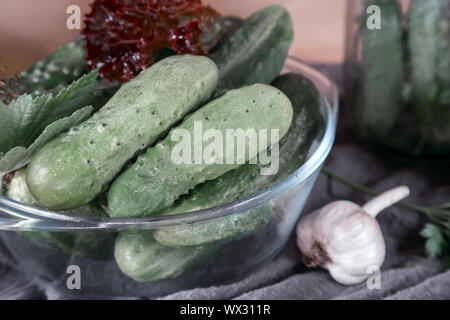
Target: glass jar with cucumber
x: 398, y: 74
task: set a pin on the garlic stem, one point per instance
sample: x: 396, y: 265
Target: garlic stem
x: 385, y: 200
x: 364, y: 189
x: 348, y: 183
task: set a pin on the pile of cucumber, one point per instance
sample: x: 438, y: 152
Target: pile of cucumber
x: 123, y: 152
x: 403, y: 83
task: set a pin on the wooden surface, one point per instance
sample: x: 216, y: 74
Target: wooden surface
x: 31, y: 29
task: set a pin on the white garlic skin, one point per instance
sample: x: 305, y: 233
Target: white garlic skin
x: 342, y: 238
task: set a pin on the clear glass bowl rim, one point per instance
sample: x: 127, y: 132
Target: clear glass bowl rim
x: 38, y: 219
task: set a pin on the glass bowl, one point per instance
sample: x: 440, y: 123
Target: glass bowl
x: 49, y: 247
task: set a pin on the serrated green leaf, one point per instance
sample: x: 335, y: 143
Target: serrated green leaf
x: 436, y: 244
x: 19, y: 157
x: 443, y: 206
x: 433, y: 248
x: 429, y: 231
x: 24, y: 119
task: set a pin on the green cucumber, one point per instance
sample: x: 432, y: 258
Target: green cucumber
x: 77, y: 166
x: 246, y: 180
x: 76, y: 244
x: 429, y: 52
x: 143, y: 259
x: 381, y: 72
x: 62, y: 67
x: 227, y: 27
x: 155, y: 181
x: 217, y: 231
x: 256, y: 52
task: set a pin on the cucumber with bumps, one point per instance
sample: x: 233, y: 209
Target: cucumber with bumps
x: 429, y: 52
x: 76, y: 244
x: 62, y: 67
x: 381, y: 72
x: 228, y: 25
x: 256, y: 52
x: 77, y: 166
x: 143, y: 259
x: 155, y: 181
x: 218, y: 231
x: 246, y: 180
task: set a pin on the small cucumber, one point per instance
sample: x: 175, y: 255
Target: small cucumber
x: 155, y: 181
x: 61, y: 68
x: 256, y: 52
x: 143, y: 259
x: 218, y: 231
x: 246, y: 180
x: 77, y: 244
x: 228, y: 26
x: 429, y: 52
x: 381, y: 72
x: 77, y: 166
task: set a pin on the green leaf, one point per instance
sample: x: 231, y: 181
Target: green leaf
x: 24, y: 119
x: 436, y: 244
x: 443, y: 206
x: 19, y: 157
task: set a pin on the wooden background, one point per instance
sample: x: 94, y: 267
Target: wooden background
x: 31, y: 29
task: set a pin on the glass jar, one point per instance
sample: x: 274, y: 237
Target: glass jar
x: 397, y: 74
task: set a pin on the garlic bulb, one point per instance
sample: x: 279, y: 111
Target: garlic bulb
x: 345, y: 238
